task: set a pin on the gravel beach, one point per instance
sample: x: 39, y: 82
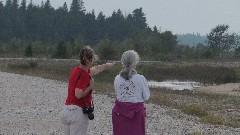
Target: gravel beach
x: 31, y: 105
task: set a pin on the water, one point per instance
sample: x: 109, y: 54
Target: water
x: 174, y: 85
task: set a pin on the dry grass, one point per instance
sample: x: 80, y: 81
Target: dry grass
x: 220, y: 120
x: 210, y: 108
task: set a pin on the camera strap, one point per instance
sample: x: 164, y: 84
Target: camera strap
x: 82, y: 99
x: 85, y: 104
x: 79, y: 76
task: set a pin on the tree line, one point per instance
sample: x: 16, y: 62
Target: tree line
x: 42, y: 31
x: 33, y: 22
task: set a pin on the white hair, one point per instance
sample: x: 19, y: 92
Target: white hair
x: 129, y: 61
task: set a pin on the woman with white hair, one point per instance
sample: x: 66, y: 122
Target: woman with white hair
x: 131, y: 89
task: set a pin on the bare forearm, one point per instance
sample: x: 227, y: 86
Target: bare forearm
x: 97, y: 69
x: 79, y: 93
x: 86, y: 91
x: 102, y: 67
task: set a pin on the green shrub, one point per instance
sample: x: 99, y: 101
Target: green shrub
x: 28, y: 51
x: 60, y: 51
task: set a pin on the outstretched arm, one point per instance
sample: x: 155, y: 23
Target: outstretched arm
x: 99, y: 68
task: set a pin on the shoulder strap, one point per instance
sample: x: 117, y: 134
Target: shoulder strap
x: 76, y: 84
x: 79, y: 76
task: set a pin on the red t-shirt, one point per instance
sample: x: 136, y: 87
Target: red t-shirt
x: 82, y: 83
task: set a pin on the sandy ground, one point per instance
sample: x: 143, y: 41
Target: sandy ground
x: 31, y: 105
x: 229, y: 89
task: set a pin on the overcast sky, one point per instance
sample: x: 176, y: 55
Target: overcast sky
x: 178, y: 16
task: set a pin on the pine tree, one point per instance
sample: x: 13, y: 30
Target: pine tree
x: 23, y: 7
x: 61, y: 51
x: 28, y: 51
x: 77, y: 6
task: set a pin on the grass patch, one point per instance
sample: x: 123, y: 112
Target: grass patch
x: 220, y: 120
x: 207, y: 117
x: 194, y: 110
x: 210, y: 108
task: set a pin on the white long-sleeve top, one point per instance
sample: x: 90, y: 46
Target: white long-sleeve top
x: 133, y: 90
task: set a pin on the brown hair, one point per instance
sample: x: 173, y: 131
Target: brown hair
x: 86, y: 53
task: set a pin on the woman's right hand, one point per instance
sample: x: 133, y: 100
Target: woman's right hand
x: 79, y: 93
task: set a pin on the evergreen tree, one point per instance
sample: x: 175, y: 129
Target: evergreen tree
x: 1, y: 21
x: 61, y: 51
x: 28, y: 51
x: 139, y: 20
x: 47, y: 5
x: 32, y: 22
x: 90, y: 28
x: 23, y: 7
x: 47, y: 24
x: 22, y: 20
x: 76, y: 17
x: 155, y: 30
x: 61, y: 29
x: 65, y: 8
x: 130, y: 24
x: 169, y: 41
x: 1, y: 7
x: 15, y: 5
x: 30, y: 5
x: 77, y: 6
x: 8, y: 4
x: 101, y: 26
x: 117, y: 28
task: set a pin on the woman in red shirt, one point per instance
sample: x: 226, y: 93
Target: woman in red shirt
x: 79, y: 98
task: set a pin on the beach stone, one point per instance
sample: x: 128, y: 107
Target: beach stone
x: 31, y: 105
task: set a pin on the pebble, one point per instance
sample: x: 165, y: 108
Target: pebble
x: 31, y: 106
